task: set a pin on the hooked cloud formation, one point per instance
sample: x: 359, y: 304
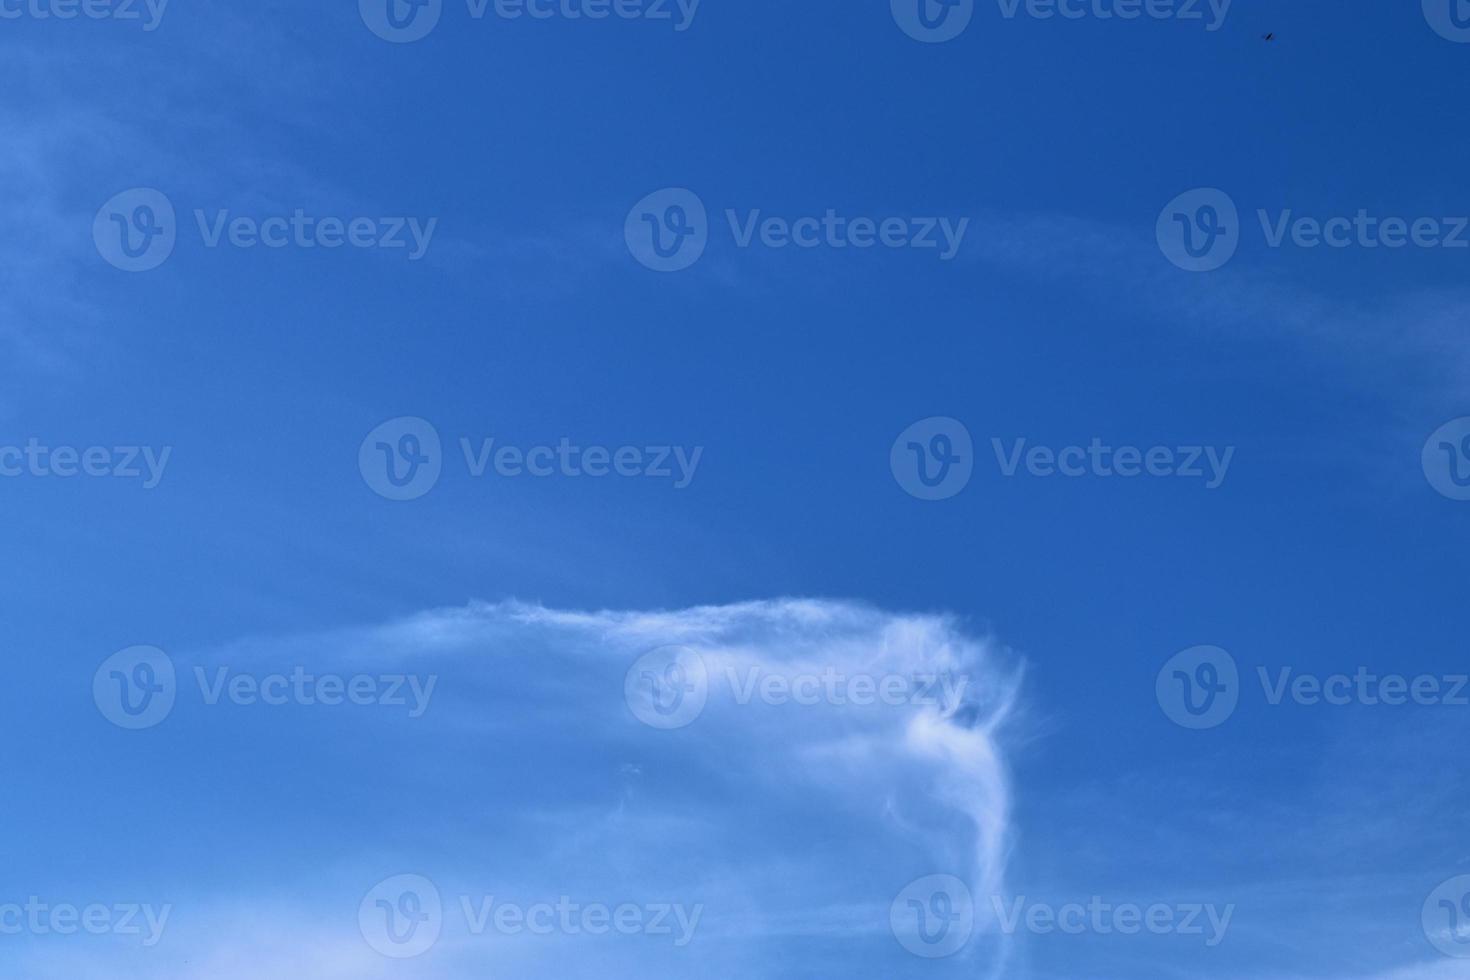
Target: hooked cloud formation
x: 833, y: 754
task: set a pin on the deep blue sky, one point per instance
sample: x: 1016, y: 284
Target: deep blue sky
x: 529, y: 321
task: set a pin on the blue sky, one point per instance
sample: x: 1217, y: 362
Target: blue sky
x: 539, y: 148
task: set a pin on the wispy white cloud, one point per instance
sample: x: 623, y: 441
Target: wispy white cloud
x: 793, y: 825
x: 1414, y: 333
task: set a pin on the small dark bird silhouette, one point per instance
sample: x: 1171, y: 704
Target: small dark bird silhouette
x: 1269, y: 37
